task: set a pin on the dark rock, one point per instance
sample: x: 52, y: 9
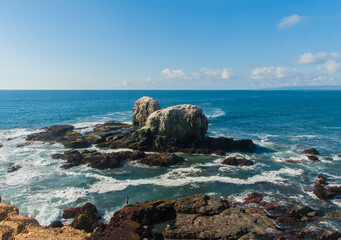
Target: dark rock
x: 237, y: 161
x: 1, y: 145
x: 56, y: 224
x: 311, y: 151
x: 299, y: 211
x: 23, y: 144
x: 333, y: 192
x: 73, y: 158
x: 254, y: 197
x: 323, y: 192
x: 313, y: 158
x: 51, y: 134
x: 57, y: 156
x: 244, y: 145
x: 14, y: 167
x: 201, y: 204
x: 85, y: 218
x: 160, y: 160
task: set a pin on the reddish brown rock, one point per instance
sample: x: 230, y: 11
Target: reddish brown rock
x: 254, y: 197
x: 311, y: 151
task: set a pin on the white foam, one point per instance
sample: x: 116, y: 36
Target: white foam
x: 214, y: 113
x: 109, y: 184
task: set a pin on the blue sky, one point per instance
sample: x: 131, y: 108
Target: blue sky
x: 169, y: 44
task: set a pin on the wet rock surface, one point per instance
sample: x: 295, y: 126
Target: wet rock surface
x: 99, y: 160
x: 322, y: 191
x: 237, y: 161
x: 204, y: 217
x: 13, y: 167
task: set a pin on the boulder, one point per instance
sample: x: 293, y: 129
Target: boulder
x: 237, y: 161
x: 181, y: 124
x: 142, y: 109
x: 311, y: 151
x: 313, y: 158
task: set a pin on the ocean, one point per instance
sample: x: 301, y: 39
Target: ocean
x: 281, y: 123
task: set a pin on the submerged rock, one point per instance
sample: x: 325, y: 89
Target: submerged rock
x: 142, y: 109
x: 56, y: 224
x: 311, y: 151
x: 313, y: 158
x: 237, y: 161
x: 14, y: 167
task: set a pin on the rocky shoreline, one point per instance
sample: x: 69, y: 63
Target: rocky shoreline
x: 155, y: 138
x: 194, y: 217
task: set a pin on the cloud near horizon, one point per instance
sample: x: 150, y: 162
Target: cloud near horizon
x: 309, y: 58
x: 289, y: 22
x: 272, y: 72
x: 202, y: 73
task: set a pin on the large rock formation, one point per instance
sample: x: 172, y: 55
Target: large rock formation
x: 178, y: 124
x: 142, y: 109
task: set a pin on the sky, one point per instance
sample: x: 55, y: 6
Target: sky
x: 169, y: 44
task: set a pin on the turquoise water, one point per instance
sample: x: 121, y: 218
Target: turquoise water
x: 281, y: 123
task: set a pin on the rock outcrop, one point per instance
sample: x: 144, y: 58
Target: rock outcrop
x: 322, y: 191
x: 99, y: 160
x: 142, y: 109
x: 181, y: 124
x: 205, y: 217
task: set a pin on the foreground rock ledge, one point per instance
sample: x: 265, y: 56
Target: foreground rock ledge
x: 15, y: 226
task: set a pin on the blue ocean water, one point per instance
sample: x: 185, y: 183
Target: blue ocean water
x: 281, y: 123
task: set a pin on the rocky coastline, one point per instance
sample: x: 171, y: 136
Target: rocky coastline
x: 156, y: 137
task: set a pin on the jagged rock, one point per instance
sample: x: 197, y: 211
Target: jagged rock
x: 85, y: 218
x: 160, y: 160
x: 323, y: 192
x: 142, y: 109
x: 237, y: 161
x: 254, y: 197
x: 63, y: 134
x: 23, y: 144
x: 201, y: 204
x: 178, y: 124
x: 311, y: 151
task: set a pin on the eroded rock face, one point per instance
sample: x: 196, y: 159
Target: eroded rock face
x: 177, y: 124
x: 142, y: 109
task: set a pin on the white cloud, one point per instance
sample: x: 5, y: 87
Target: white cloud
x: 272, y: 72
x: 124, y: 83
x: 224, y: 73
x: 335, y: 55
x: 289, y: 22
x: 331, y: 66
x: 173, y: 74
x: 309, y: 58
x: 149, y: 79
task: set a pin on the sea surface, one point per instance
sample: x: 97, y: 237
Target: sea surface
x: 281, y: 123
